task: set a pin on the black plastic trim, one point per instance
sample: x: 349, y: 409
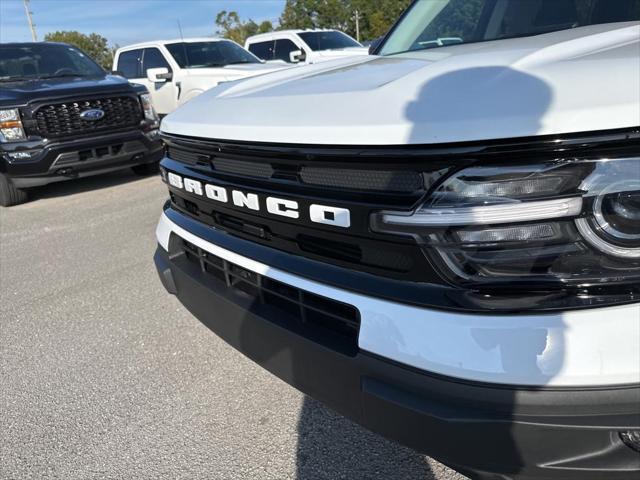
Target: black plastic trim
x: 551, y: 146
x: 483, y: 430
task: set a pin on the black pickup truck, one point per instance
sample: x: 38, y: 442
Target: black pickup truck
x: 63, y: 117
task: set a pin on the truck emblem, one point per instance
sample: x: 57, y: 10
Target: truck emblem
x: 324, y: 214
x: 92, y: 115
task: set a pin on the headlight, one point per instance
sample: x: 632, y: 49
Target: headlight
x: 147, y: 107
x: 567, y: 222
x: 11, y: 129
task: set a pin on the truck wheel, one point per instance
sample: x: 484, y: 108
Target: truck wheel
x: 146, y: 169
x: 9, y: 194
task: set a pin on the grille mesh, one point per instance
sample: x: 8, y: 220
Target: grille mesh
x: 358, y: 179
x: 63, y: 119
x: 239, y: 167
x: 387, y: 181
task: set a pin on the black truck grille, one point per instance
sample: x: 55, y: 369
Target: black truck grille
x: 305, y: 308
x: 63, y: 119
x: 356, y: 179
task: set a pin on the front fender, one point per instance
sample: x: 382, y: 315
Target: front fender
x: 190, y: 94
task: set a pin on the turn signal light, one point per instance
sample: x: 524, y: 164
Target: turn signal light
x: 11, y: 129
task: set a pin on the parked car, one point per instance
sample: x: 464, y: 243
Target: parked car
x: 63, y: 117
x: 175, y: 71
x: 304, y: 46
x: 440, y: 241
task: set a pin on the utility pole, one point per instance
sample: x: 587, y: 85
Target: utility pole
x: 357, y: 18
x: 34, y: 37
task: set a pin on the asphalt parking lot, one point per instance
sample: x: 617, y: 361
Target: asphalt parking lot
x: 103, y: 375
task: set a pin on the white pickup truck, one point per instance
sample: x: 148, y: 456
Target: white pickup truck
x: 175, y: 71
x: 304, y: 46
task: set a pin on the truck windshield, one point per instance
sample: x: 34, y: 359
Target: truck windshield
x: 328, y: 40
x: 209, y: 54
x: 44, y: 60
x: 440, y: 23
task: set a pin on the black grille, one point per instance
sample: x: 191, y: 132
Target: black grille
x: 381, y: 180
x: 63, y: 119
x: 304, y: 307
x: 358, y: 179
x: 185, y: 156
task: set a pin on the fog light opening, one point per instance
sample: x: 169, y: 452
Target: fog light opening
x: 631, y: 438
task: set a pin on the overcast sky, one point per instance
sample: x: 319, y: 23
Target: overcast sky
x: 127, y: 21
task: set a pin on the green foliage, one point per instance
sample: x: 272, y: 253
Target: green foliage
x: 230, y: 26
x: 376, y: 16
x: 94, y: 45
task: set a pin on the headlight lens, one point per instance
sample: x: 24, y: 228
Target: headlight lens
x: 147, y: 107
x: 564, y: 222
x: 11, y: 129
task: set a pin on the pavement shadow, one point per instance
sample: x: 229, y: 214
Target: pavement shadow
x: 333, y: 447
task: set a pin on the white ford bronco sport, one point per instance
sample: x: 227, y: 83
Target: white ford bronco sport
x: 175, y: 71
x: 440, y: 241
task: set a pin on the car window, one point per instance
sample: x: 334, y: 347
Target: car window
x: 440, y: 23
x: 129, y: 64
x: 263, y: 50
x: 45, y: 60
x: 153, y: 58
x: 283, y: 48
x: 330, y: 40
x: 209, y: 54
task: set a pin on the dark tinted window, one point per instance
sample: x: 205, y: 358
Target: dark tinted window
x: 283, y: 48
x: 328, y: 40
x: 263, y: 50
x: 209, y: 54
x: 153, y: 58
x: 129, y: 63
x: 447, y: 22
x: 38, y: 60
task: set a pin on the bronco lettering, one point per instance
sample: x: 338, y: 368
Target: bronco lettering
x: 322, y: 214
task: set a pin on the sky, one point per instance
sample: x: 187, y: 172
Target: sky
x: 124, y: 22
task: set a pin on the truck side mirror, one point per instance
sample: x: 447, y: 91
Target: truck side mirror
x: 297, y: 56
x: 158, y: 75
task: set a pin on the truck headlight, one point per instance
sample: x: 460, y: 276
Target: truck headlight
x: 147, y: 107
x: 11, y: 129
x: 565, y: 222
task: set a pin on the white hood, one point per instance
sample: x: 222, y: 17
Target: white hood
x: 579, y: 80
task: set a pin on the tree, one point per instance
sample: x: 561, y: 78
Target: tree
x: 94, y: 45
x: 376, y: 17
x: 230, y: 26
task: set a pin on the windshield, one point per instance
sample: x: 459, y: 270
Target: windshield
x: 328, y: 40
x: 439, y: 23
x: 44, y: 60
x: 209, y: 54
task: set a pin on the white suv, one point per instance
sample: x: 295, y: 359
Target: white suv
x: 304, y: 46
x: 440, y: 241
x: 176, y: 71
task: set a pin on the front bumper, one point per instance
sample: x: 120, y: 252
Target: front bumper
x: 75, y: 158
x: 484, y: 429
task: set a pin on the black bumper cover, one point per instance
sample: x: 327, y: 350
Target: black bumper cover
x: 484, y: 431
x: 72, y: 158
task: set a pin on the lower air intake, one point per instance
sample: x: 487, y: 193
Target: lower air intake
x: 305, y: 308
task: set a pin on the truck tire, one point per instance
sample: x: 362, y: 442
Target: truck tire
x: 9, y: 194
x: 146, y: 169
